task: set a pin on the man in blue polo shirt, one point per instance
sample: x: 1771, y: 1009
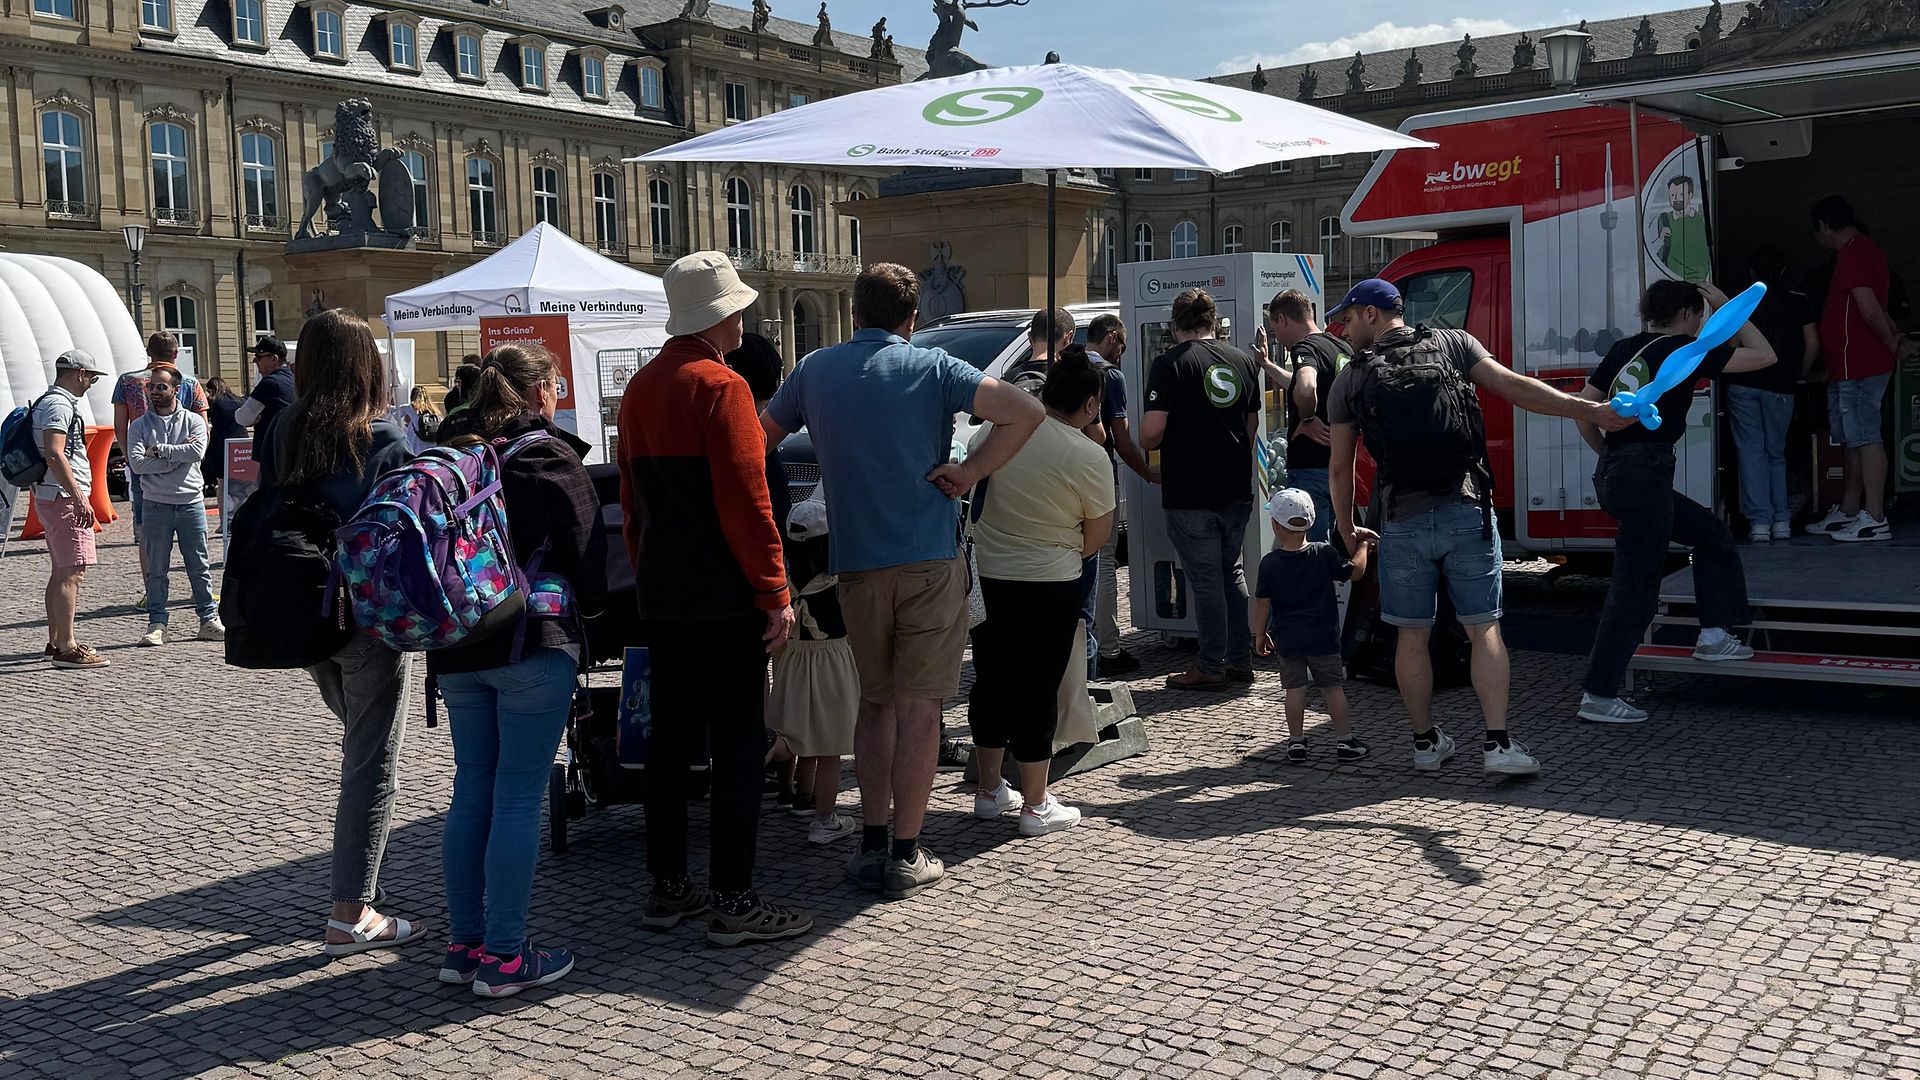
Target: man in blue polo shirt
x: 880, y: 412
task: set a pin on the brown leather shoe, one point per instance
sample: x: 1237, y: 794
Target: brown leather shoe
x: 1243, y: 676
x: 1195, y: 679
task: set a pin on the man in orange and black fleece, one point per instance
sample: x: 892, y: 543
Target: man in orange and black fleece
x: 713, y: 598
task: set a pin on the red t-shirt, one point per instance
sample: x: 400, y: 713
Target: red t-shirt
x: 1852, y: 348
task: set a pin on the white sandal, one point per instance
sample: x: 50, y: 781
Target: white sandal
x: 366, y: 934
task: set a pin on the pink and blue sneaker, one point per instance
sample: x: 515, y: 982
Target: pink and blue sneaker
x: 505, y: 976
x: 462, y: 963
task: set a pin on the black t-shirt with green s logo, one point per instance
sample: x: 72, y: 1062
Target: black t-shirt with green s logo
x: 1207, y: 389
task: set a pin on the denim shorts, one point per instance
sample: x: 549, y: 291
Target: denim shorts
x: 1853, y: 410
x: 1445, y: 542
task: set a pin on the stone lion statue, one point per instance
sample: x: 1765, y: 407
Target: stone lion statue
x: 344, y: 184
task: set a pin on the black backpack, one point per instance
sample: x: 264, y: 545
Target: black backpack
x: 278, y: 595
x: 1421, y: 418
x: 1028, y: 375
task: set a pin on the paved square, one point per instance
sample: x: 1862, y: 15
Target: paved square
x: 1729, y: 890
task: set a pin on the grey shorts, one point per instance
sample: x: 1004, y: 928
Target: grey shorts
x: 1853, y: 410
x: 1325, y: 672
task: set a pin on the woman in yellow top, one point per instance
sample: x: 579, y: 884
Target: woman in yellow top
x: 1044, y: 513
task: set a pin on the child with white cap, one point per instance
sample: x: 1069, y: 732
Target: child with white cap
x: 816, y: 689
x: 1295, y: 615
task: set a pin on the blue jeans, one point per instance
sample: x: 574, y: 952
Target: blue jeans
x: 1209, y: 543
x: 1448, y: 542
x: 1314, y: 483
x: 1853, y: 410
x: 1760, y: 419
x: 506, y: 723
x: 133, y: 496
x: 159, y: 526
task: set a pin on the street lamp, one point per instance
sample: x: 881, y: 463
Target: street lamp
x: 136, y: 238
x: 1565, y: 51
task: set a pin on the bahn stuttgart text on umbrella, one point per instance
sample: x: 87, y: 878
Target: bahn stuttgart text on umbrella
x: 1047, y: 116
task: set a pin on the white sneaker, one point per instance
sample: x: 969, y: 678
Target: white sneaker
x: 1759, y: 534
x: 1511, y: 760
x: 213, y: 630
x: 1832, y: 523
x: 1863, y: 529
x: 156, y: 635
x: 986, y: 806
x: 833, y: 830
x: 1050, y: 816
x: 1782, y: 531
x: 1430, y: 759
x: 1609, y: 710
x: 1728, y: 648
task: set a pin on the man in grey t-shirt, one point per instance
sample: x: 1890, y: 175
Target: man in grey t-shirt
x: 1435, y: 534
x: 62, y: 498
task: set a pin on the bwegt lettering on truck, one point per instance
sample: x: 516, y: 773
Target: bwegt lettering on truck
x: 1493, y: 172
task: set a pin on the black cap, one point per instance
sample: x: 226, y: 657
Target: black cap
x: 270, y: 344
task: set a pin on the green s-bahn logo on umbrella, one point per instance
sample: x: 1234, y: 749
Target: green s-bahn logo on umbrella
x: 983, y: 106
x: 1206, y: 108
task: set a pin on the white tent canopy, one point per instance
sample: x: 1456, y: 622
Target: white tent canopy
x: 545, y: 272
x: 1044, y: 116
x: 50, y: 305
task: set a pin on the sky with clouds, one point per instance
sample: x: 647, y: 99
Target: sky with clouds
x: 1212, y: 37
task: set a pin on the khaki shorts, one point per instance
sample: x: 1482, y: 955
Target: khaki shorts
x: 908, y: 626
x: 1325, y: 672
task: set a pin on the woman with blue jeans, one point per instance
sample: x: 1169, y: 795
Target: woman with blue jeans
x: 1760, y: 403
x: 508, y: 695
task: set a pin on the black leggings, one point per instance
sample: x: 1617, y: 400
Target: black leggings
x: 1020, y: 654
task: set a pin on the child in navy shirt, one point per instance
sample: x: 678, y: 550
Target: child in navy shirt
x: 1296, y: 615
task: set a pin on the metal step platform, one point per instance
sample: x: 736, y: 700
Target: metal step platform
x: 1822, y: 611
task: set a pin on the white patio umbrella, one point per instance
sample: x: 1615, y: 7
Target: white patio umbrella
x: 1046, y: 116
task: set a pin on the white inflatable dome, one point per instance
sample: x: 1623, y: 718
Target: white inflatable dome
x: 50, y: 305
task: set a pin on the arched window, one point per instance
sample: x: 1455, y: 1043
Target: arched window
x: 180, y: 316
x: 853, y: 225
x: 800, y: 218
x: 546, y: 195
x: 483, y: 206
x: 739, y: 214
x: 1109, y: 253
x: 66, y: 162
x: 1233, y: 240
x: 250, y: 22
x: 1329, y: 238
x: 422, y: 173
x: 1186, y: 240
x: 260, y: 180
x: 1142, y: 242
x: 660, y: 215
x: 172, y: 192
x: 606, y: 211
x: 1279, y: 235
x: 805, y: 330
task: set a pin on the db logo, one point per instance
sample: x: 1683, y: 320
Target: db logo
x: 560, y: 389
x: 987, y: 151
x: 1219, y: 281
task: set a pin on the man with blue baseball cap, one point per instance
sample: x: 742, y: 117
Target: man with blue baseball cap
x: 1410, y: 392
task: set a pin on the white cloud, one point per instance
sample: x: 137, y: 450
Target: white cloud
x: 1380, y: 38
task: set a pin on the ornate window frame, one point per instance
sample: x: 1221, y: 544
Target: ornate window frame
x: 416, y: 143
x: 544, y: 48
x: 272, y: 224
x: 482, y: 150
x: 459, y: 32
x: 658, y: 67
x: 173, y: 217
x: 338, y: 10
x: 265, y: 40
x: 410, y: 20
x: 581, y: 56
x: 74, y: 210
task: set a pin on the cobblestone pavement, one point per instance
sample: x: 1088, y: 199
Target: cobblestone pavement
x: 1729, y: 890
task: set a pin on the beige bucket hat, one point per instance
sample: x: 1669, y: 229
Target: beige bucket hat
x: 702, y: 290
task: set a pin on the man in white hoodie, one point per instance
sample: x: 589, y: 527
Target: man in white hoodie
x: 164, y: 448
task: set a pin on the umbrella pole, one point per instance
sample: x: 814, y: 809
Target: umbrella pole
x: 1052, y: 234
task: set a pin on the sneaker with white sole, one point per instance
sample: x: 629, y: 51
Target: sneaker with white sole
x: 213, y: 630
x: 1431, y: 758
x: 1760, y: 534
x: 1782, y: 530
x: 1727, y: 648
x: 505, y: 976
x: 1832, y: 523
x: 1864, y: 529
x: 833, y: 830
x: 1047, y: 817
x: 1511, y: 760
x: 156, y: 635
x: 990, y: 805
x: 1610, y: 710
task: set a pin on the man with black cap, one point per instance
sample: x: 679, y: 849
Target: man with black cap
x: 1411, y: 391
x: 273, y: 393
